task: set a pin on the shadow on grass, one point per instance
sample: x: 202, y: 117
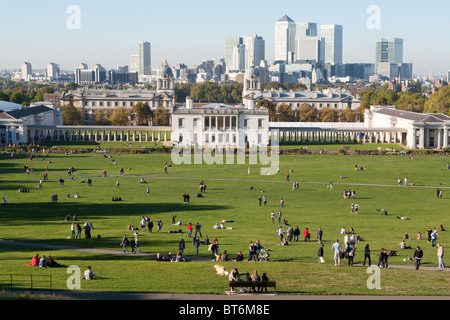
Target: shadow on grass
x: 18, y: 214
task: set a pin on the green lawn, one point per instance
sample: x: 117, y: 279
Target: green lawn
x: 31, y: 217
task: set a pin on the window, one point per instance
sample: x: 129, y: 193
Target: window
x: 260, y: 123
x: 213, y: 138
x: 206, y: 137
x: 245, y: 123
x: 180, y: 122
x: 180, y: 138
x: 260, y: 138
x: 195, y: 123
x: 234, y: 138
x: 206, y: 123
x: 220, y: 138
x: 233, y: 123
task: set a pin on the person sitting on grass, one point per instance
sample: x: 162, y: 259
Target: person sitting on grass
x: 34, y: 261
x: 88, y: 274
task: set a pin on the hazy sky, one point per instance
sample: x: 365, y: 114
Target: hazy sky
x: 190, y: 31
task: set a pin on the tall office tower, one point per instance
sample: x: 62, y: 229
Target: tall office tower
x: 254, y: 50
x: 305, y: 41
x: 230, y: 45
x: 284, y: 38
x: 134, y: 63
x: 448, y: 76
x: 331, y: 43
x: 389, y: 50
x: 144, y: 54
x: 53, y: 70
x: 431, y: 75
x: 308, y: 48
x: 238, y: 59
x: 27, y: 71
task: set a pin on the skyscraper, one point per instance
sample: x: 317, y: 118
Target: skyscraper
x: 331, y: 43
x: 27, y: 71
x: 254, y: 50
x: 389, y: 50
x: 306, y: 41
x: 284, y: 38
x: 134, y: 63
x: 53, y: 70
x: 144, y: 55
x: 230, y: 45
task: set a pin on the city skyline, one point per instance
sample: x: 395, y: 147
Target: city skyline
x: 191, y: 32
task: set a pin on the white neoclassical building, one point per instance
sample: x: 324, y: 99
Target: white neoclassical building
x: 420, y: 130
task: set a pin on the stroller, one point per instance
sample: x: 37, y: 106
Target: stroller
x: 263, y: 255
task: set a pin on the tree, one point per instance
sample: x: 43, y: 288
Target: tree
x: 410, y: 102
x: 142, y: 112
x: 328, y: 115
x: 307, y: 113
x: 101, y: 118
x: 439, y: 102
x: 71, y: 115
x: 161, y: 117
x: 285, y: 113
x: 119, y: 117
x: 348, y: 115
x: 269, y: 105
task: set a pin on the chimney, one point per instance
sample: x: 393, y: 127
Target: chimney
x: 189, y: 103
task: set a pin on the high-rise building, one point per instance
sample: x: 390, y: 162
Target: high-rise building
x: 307, y: 44
x: 331, y: 43
x: 144, y: 53
x: 238, y: 60
x: 254, y: 50
x: 53, y: 71
x: 134, y: 63
x: 230, y: 45
x: 27, y: 71
x: 448, y: 76
x: 284, y: 38
x: 85, y: 76
x: 389, y: 50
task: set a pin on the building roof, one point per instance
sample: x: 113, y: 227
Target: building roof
x: 285, y: 18
x: 7, y: 106
x: 414, y: 116
x: 28, y: 111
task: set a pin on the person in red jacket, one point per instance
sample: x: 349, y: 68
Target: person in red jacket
x: 34, y: 261
x: 306, y: 235
x: 190, y: 228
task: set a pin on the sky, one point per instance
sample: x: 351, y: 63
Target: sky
x: 189, y: 31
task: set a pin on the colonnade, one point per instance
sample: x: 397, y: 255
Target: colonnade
x: 337, y: 136
x: 101, y: 133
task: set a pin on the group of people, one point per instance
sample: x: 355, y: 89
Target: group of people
x: 76, y: 230
x: 43, y: 262
x: 133, y: 242
x: 235, y: 276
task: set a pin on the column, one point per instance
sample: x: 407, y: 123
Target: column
x: 422, y: 139
x: 445, y: 140
x: 439, y: 140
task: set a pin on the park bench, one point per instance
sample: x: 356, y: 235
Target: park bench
x: 253, y: 285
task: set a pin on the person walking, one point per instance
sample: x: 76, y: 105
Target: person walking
x: 320, y: 254
x: 319, y: 236
x: 440, y: 255
x: 137, y: 244
x: 337, y: 250
x: 198, y: 230
x: 72, y: 230
x: 190, y: 228
x: 418, y: 254
x: 181, y: 246
x: 366, y: 254
x: 125, y: 242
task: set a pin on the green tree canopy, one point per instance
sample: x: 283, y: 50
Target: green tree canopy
x: 142, y: 112
x: 439, y: 102
x: 307, y: 113
x: 71, y: 115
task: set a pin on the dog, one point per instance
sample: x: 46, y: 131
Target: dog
x: 221, y: 270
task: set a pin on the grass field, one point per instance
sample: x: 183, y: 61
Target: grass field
x: 31, y: 217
